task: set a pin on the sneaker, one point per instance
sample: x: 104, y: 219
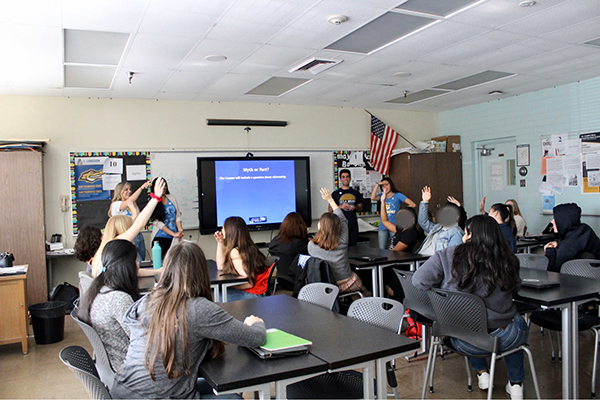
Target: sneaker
x: 483, y: 380
x: 515, y: 391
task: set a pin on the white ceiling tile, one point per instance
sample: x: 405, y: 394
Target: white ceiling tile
x: 190, y: 81
x: 555, y: 18
x: 257, y: 21
x: 495, y: 13
x: 157, y: 52
x: 234, y: 51
x: 31, y: 12
x: 172, y: 95
x: 566, y: 55
x: 268, y: 60
x: 98, y: 93
x: 234, y: 85
x: 312, y: 29
x: 578, y: 33
x: 104, y: 15
x: 85, y: 76
x: 189, y: 18
x: 35, y: 91
x: 149, y: 80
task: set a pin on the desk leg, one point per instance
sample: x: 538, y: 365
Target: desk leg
x: 375, y: 277
x: 570, y: 344
x: 368, y: 378
x: 215, y: 289
x: 381, y: 375
x: 380, y: 280
x: 264, y: 391
x: 49, y: 275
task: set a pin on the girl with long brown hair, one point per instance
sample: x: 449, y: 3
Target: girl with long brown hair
x: 331, y: 244
x: 175, y: 327
x: 238, y: 255
x: 291, y: 241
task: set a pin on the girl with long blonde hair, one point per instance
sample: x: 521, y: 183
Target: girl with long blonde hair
x: 238, y: 255
x: 175, y: 328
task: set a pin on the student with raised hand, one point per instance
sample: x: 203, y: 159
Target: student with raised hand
x: 123, y: 227
x: 446, y: 232
x: 484, y: 266
x: 405, y: 232
x: 238, y: 255
x: 394, y: 200
x: 331, y: 244
x: 124, y: 203
x: 87, y: 244
x: 576, y: 239
x: 166, y: 220
x: 109, y: 297
x: 175, y: 328
x: 291, y: 241
x: 504, y: 216
x: 519, y: 220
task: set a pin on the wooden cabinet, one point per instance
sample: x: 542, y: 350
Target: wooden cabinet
x: 22, y: 217
x: 441, y: 171
x: 13, y: 310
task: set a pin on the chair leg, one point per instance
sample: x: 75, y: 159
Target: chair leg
x: 492, y: 372
x: 552, y: 354
x: 533, y: 372
x: 426, y: 378
x: 469, y: 375
x: 595, y: 366
x: 432, y: 372
x: 559, y: 340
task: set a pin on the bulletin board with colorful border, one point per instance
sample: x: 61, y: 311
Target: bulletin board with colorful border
x: 364, y: 176
x: 91, y: 185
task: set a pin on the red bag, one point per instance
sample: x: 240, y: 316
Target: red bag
x: 414, y: 330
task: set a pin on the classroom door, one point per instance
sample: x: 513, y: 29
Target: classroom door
x: 496, y: 175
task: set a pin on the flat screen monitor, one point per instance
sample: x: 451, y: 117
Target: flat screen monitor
x: 261, y: 190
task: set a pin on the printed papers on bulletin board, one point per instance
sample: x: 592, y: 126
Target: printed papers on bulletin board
x: 561, y: 164
x: 364, y: 176
x: 94, y: 176
x: 590, y: 161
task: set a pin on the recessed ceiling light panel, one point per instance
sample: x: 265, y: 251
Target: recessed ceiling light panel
x: 89, y: 77
x: 595, y: 42
x: 417, y: 96
x: 277, y: 86
x: 93, y: 47
x: 473, y: 80
x: 381, y: 31
x: 440, y: 8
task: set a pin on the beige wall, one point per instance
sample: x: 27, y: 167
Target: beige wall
x: 81, y: 124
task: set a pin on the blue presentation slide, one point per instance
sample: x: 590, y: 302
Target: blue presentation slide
x: 259, y: 191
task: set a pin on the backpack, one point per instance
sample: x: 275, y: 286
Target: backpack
x: 67, y: 293
x: 414, y: 330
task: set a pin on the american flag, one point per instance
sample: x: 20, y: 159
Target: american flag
x: 383, y: 141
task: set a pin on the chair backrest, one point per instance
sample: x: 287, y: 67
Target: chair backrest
x: 533, y: 261
x: 378, y: 311
x: 415, y: 299
x: 80, y: 363
x: 462, y: 316
x: 587, y: 268
x: 85, y: 281
x: 321, y: 294
x: 105, y: 369
x: 272, y: 262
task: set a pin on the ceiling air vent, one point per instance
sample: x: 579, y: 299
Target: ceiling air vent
x: 315, y: 65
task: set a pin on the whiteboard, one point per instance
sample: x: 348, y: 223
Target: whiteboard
x: 179, y: 169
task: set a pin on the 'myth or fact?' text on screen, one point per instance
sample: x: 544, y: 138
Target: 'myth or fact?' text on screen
x: 258, y: 191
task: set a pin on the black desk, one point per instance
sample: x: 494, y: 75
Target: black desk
x: 572, y: 291
x: 338, y: 341
x: 219, y: 282
x: 526, y: 244
x: 376, y: 267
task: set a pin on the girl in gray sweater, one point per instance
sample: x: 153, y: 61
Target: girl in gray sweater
x: 331, y: 244
x: 175, y: 328
x: 485, y: 266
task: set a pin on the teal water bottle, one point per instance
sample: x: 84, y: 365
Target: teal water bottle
x: 156, y: 255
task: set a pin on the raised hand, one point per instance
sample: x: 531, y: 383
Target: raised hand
x: 146, y: 185
x: 219, y: 236
x: 482, y: 205
x: 454, y: 201
x: 326, y: 194
x: 426, y: 194
x: 159, y: 187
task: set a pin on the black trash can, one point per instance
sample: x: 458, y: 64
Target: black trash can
x: 48, y: 320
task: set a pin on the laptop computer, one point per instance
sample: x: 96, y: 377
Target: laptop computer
x: 539, y: 283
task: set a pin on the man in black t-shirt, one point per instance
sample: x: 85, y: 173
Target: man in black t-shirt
x: 350, y: 201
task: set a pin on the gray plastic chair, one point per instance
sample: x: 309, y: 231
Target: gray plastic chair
x: 533, y: 261
x: 384, y: 313
x: 85, y: 281
x: 464, y: 316
x: 80, y: 363
x: 103, y: 365
x: 272, y: 285
x: 321, y: 294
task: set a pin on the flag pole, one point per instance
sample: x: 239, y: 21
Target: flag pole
x: 405, y: 139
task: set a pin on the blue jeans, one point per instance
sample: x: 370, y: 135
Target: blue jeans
x: 238, y: 294
x: 514, y: 335
x: 383, y: 238
x: 140, y: 245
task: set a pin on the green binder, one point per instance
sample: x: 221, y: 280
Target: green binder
x: 278, y: 340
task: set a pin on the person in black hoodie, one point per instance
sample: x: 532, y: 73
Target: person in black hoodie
x: 575, y: 238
